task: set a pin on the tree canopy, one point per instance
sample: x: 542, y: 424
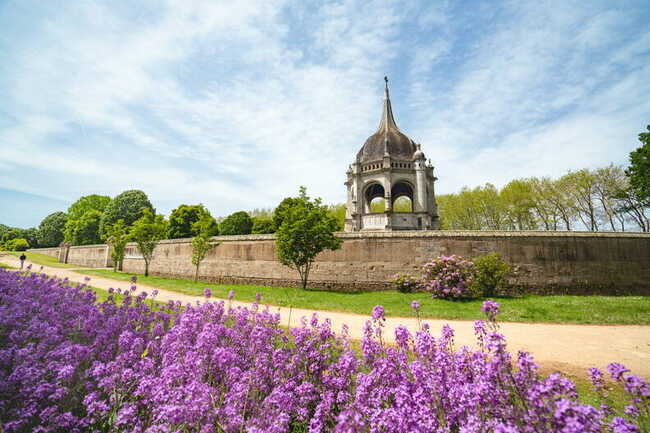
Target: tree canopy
x: 639, y: 169
x: 238, y: 223
x: 183, y: 219
x: 93, y: 205
x: 50, y: 231
x: 128, y: 206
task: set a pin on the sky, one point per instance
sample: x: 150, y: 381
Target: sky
x: 235, y: 104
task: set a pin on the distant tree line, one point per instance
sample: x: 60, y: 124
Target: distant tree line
x: 594, y: 200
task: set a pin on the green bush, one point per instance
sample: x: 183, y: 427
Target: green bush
x: 405, y: 283
x: 491, y: 273
x: 18, y: 244
x: 239, y: 223
x: 263, y: 225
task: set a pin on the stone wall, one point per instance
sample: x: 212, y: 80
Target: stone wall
x: 91, y: 256
x: 547, y: 262
x: 52, y: 252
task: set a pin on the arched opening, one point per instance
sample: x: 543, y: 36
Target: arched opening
x: 375, y: 202
x: 403, y: 204
x: 402, y: 196
x: 378, y: 205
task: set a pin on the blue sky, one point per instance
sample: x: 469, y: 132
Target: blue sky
x: 237, y: 104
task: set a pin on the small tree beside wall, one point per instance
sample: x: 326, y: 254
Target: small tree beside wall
x: 307, y: 229
x: 201, y: 243
x: 118, y: 237
x: 146, y: 232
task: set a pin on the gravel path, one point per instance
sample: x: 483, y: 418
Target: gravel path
x: 569, y: 348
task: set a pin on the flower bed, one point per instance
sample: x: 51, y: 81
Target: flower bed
x: 69, y: 364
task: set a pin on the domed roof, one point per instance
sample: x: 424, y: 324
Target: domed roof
x: 388, y: 139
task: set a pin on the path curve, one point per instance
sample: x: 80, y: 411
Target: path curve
x: 569, y: 348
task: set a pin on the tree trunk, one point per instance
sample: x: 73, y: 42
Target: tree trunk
x: 120, y: 265
x: 146, y: 268
x: 196, y: 273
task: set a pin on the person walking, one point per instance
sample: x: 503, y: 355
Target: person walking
x: 22, y: 260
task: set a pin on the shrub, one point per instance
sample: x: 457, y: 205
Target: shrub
x: 17, y: 244
x: 491, y: 273
x: 263, y: 225
x: 450, y: 277
x: 405, y: 283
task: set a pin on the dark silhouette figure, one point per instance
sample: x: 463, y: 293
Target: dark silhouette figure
x: 22, y: 260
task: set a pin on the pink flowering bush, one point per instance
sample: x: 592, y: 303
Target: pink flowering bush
x: 69, y: 364
x: 450, y: 277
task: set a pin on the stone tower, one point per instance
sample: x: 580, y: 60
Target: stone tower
x: 390, y: 165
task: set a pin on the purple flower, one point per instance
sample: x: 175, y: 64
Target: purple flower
x: 617, y: 370
x: 491, y: 309
x: 415, y: 305
x: 378, y: 313
x: 134, y: 279
x: 231, y: 295
x: 258, y: 297
x: 207, y: 293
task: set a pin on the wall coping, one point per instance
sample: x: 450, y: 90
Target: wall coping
x: 410, y: 234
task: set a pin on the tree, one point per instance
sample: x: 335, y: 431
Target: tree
x: 85, y: 230
x: 118, y: 237
x: 183, y: 218
x: 281, y: 210
x: 128, y: 206
x: 262, y: 225
x: 77, y: 210
x: 518, y: 203
x: 146, y: 232
x: 639, y: 170
x: 307, y: 229
x: 238, y: 223
x: 201, y: 243
x: 581, y: 190
x: 50, y: 231
x: 337, y: 211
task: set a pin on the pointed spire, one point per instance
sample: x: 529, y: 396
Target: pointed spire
x: 387, y: 119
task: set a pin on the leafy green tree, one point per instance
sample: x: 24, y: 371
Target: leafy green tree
x: 337, y: 211
x: 77, y: 210
x: 86, y: 229
x: 307, y: 229
x: 517, y: 200
x: 128, y: 206
x: 262, y: 225
x: 118, y: 237
x: 491, y: 273
x: 581, y: 190
x: 17, y: 244
x: 50, y: 231
x: 183, y: 218
x: 281, y: 210
x: 201, y: 243
x: 639, y: 169
x: 146, y: 232
x: 31, y: 235
x: 238, y: 223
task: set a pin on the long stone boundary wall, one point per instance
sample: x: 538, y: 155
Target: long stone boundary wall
x: 546, y: 262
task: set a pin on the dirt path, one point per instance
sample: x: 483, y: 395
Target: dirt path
x: 570, y: 348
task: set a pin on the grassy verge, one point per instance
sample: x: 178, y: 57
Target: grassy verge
x: 41, y: 259
x: 547, y: 309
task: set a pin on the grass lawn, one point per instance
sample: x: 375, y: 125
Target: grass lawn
x: 529, y: 308
x: 41, y: 259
